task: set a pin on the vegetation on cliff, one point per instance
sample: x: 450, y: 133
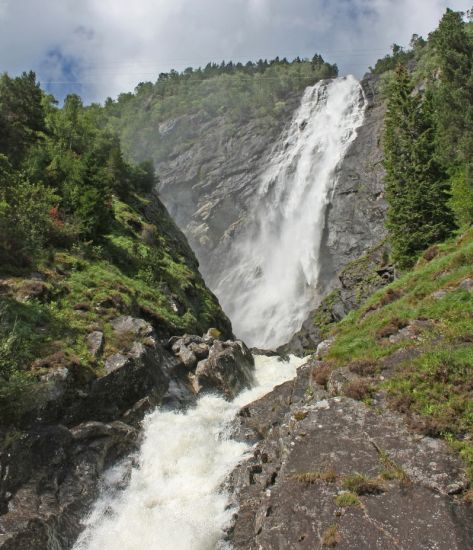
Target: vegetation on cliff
x: 82, y: 240
x: 238, y: 92
x: 410, y: 344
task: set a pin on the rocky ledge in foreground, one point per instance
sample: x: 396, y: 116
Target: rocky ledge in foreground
x: 329, y: 471
x: 51, y: 464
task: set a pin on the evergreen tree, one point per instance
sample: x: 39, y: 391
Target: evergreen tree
x: 454, y: 109
x: 454, y: 97
x: 416, y: 186
x: 21, y: 115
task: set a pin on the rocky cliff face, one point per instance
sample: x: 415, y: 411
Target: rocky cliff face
x: 209, y: 175
x: 208, y: 182
x: 355, y: 217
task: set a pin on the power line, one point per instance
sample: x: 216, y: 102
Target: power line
x: 351, y: 51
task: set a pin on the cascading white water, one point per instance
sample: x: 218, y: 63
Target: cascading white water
x: 269, y: 283
x: 174, y: 499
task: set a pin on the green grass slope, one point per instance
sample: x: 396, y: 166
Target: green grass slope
x: 413, y: 341
x: 142, y: 267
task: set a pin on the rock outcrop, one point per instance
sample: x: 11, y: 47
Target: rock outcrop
x: 331, y: 471
x: 50, y: 476
x: 212, y: 365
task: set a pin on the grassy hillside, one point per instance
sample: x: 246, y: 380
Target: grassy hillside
x: 142, y: 267
x: 413, y: 341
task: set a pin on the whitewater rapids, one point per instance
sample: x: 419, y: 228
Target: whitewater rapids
x: 269, y: 282
x: 174, y: 500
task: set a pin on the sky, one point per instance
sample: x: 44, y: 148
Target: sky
x: 100, y: 48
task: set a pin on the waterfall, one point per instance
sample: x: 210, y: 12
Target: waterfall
x: 268, y: 283
x: 174, y: 500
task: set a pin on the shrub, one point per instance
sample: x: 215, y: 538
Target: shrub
x: 358, y: 389
x: 321, y: 374
x: 347, y: 499
x: 363, y: 367
x: 390, y: 296
x: 362, y: 485
x: 331, y: 537
x: 394, y: 326
x: 300, y: 415
x: 329, y: 476
x: 25, y: 217
x: 15, y: 384
x: 468, y: 497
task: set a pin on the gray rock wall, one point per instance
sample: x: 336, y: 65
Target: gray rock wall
x: 209, y: 175
x: 355, y: 218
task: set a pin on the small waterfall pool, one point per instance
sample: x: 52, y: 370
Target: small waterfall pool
x: 174, y: 500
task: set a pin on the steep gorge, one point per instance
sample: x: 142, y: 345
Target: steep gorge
x: 275, y: 261
x: 143, y: 434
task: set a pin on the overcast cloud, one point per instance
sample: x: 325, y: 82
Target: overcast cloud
x: 100, y: 48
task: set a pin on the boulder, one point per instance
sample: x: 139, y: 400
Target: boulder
x: 142, y: 372
x: 322, y: 348
x: 228, y: 369
x: 201, y: 351
x: 72, y: 393
x: 439, y: 294
x: 55, y: 382
x: 212, y: 365
x: 115, y: 362
x: 466, y: 284
x: 339, y: 380
x: 187, y: 357
x: 131, y: 325
x: 188, y: 340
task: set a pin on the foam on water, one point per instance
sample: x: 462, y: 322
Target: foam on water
x: 174, y: 500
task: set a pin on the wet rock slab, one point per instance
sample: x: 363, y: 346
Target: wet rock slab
x: 302, y: 433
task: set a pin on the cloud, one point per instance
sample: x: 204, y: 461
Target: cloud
x: 103, y: 47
